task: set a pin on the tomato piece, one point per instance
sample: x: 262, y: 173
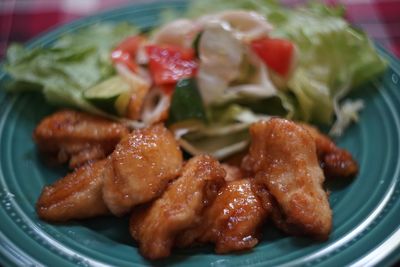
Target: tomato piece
x: 168, y: 64
x: 125, y: 52
x: 277, y: 54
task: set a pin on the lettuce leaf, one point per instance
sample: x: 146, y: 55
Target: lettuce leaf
x: 333, y: 57
x: 70, y: 65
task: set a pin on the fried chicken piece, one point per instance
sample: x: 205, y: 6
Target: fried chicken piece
x: 335, y: 161
x: 178, y: 209
x: 236, y: 159
x: 234, y: 219
x: 76, y: 196
x: 233, y: 173
x: 283, y: 156
x: 140, y: 168
x: 77, y: 137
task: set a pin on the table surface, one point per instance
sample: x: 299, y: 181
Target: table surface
x: 21, y: 20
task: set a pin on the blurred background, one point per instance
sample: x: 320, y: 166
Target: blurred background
x: 21, y: 20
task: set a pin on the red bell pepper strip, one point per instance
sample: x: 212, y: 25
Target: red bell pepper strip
x: 169, y: 64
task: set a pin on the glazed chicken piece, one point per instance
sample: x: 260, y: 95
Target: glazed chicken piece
x: 335, y: 161
x: 140, y: 168
x: 233, y: 173
x: 138, y: 171
x: 76, y: 137
x: 283, y: 157
x: 180, y: 207
x: 76, y: 196
x: 234, y: 219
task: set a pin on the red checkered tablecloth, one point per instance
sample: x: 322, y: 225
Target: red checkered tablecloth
x: 20, y: 20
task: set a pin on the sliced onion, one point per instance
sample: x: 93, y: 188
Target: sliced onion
x: 179, y: 32
x: 220, y: 58
x: 219, y: 153
x: 155, y: 106
x: 143, y: 78
x: 258, y: 86
x: 220, y: 51
x: 131, y: 124
x: 139, y: 89
x: 247, y: 25
x: 222, y: 130
x: 211, y: 87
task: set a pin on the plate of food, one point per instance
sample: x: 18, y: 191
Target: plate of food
x: 224, y: 133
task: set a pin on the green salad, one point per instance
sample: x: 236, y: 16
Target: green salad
x: 210, y: 74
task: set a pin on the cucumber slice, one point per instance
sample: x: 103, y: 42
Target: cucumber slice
x: 186, y: 103
x: 111, y: 95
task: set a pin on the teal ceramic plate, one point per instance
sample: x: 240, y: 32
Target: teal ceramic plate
x: 366, y: 211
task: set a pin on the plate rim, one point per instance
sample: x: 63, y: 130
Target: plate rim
x: 394, y: 63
